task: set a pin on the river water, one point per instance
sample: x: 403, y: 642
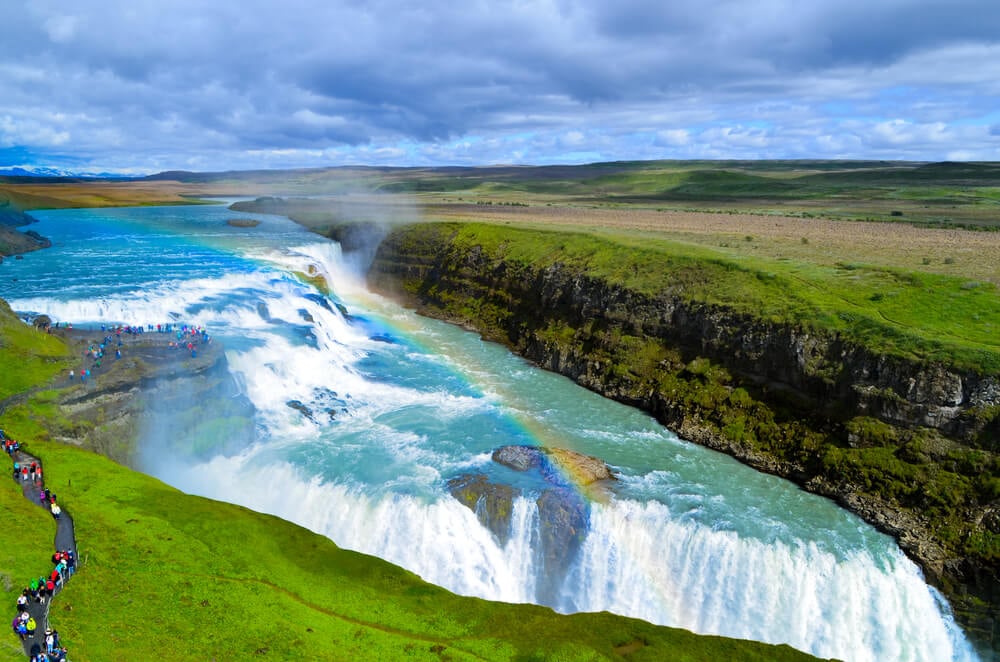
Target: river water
x: 688, y: 537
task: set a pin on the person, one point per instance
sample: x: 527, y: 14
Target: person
x: 56, y: 510
x: 30, y: 625
x: 71, y: 375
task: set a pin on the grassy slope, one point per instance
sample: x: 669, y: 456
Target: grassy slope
x: 175, y: 577
x: 938, y: 195
x: 25, y: 551
x: 37, y: 356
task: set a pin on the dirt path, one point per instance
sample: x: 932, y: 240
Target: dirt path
x: 65, y: 540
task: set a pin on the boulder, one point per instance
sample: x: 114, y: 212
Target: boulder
x: 558, y: 465
x: 518, y: 458
x: 492, y: 503
x: 299, y: 407
x: 585, y: 469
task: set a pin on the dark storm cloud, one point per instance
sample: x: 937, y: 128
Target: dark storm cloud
x: 310, y: 82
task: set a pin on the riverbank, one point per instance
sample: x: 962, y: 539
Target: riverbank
x: 896, y: 427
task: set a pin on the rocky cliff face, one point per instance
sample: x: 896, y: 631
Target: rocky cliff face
x: 157, y: 394
x: 904, y: 443
x: 13, y: 242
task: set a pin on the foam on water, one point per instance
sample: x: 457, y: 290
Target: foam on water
x: 640, y: 560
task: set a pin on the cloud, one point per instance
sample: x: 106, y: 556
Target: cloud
x: 319, y: 82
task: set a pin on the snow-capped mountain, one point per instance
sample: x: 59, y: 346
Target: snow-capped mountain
x: 45, y: 171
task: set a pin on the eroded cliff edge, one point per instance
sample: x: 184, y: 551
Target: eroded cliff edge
x: 908, y: 444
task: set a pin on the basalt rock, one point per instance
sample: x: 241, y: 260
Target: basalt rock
x: 563, y: 512
x: 493, y: 503
x: 519, y: 458
x: 301, y: 408
x: 557, y: 465
x: 564, y: 517
x: 158, y: 394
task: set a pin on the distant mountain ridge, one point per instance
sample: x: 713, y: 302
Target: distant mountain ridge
x: 46, y: 172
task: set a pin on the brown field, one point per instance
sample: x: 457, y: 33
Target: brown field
x: 62, y: 195
x: 964, y: 253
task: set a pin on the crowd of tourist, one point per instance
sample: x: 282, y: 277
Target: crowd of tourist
x: 187, y: 337
x: 45, y: 646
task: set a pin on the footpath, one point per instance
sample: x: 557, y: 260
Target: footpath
x: 158, y: 346
x: 40, y: 641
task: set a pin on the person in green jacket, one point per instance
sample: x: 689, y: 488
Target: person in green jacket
x: 30, y: 626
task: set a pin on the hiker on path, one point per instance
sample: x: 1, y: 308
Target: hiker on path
x: 19, y: 628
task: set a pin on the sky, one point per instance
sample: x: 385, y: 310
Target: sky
x: 141, y: 86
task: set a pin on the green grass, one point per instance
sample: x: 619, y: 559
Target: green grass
x: 38, y: 356
x: 931, y: 194
x: 927, y: 317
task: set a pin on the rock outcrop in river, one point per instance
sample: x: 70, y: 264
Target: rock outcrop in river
x: 563, y: 509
